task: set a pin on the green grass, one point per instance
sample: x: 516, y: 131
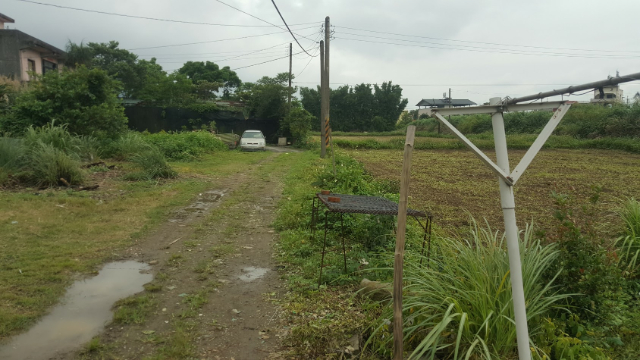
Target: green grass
x: 133, y: 310
x: 50, y: 237
x: 483, y: 141
x: 461, y: 307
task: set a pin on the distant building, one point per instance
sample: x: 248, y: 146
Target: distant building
x: 441, y: 103
x: 21, y: 53
x: 636, y: 97
x: 608, y: 95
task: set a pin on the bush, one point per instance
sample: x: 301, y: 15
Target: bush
x: 185, y: 145
x: 80, y: 147
x: 296, y: 125
x: 85, y: 100
x: 629, y: 242
x: 461, y: 305
x: 153, y: 165
x: 125, y: 147
x: 49, y: 165
x: 12, y: 153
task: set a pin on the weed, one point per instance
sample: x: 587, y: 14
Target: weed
x: 219, y: 251
x: 50, y: 165
x: 175, y: 260
x: 152, y: 287
x: 185, y: 145
x: 629, y: 242
x: 153, y: 165
x: 133, y: 310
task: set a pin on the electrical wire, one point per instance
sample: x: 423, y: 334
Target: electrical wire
x: 148, y: 18
x: 487, y: 43
x: 212, y: 41
x: 523, y: 52
x: 264, y: 62
x: 255, y: 17
x: 488, y: 51
x: 287, y: 26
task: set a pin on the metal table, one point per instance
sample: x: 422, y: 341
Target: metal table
x: 359, y: 204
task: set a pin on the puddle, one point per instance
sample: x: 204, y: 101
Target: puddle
x: 82, y: 314
x: 252, y: 273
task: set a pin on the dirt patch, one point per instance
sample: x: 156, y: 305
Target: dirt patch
x: 215, y: 289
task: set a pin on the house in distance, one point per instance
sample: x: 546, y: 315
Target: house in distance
x: 445, y: 102
x: 21, y: 53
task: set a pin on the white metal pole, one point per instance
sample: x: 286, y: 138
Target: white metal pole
x: 511, y: 231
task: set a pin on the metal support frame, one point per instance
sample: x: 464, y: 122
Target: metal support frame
x: 315, y: 211
x: 507, y: 180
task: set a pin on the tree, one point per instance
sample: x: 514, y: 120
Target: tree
x: 83, y: 99
x: 297, y: 124
x: 355, y: 108
x: 267, y: 97
x: 120, y: 64
x: 198, y: 71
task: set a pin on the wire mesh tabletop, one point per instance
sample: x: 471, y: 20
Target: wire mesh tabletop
x: 359, y: 204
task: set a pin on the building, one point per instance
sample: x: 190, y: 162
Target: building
x: 636, y: 97
x: 608, y: 95
x: 441, y: 103
x: 21, y: 53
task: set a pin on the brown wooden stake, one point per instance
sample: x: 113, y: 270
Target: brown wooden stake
x: 400, y: 239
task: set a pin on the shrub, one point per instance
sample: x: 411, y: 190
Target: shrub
x: 297, y: 124
x: 12, y: 152
x: 86, y: 100
x: 153, y: 165
x: 461, y: 305
x: 185, y: 145
x: 80, y: 147
x: 125, y: 147
x: 49, y: 165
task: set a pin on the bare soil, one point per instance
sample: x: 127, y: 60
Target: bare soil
x: 216, y: 284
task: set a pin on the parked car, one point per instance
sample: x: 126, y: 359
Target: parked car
x: 252, y: 140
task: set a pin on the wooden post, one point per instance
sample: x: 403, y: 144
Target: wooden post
x: 400, y: 240
x: 290, y: 68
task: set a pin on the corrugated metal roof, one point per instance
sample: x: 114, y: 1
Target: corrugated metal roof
x: 445, y: 102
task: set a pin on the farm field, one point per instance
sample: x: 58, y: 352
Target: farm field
x: 454, y: 184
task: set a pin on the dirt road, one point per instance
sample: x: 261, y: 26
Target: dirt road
x: 216, y: 285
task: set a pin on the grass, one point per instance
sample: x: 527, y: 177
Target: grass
x: 453, y: 184
x: 461, y: 305
x: 483, y: 141
x: 133, y: 310
x: 49, y: 237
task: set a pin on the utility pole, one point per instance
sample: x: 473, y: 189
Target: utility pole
x: 290, y: 66
x: 323, y: 85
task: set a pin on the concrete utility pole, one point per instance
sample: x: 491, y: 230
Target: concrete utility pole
x: 326, y: 94
x: 290, y: 66
x: 323, y: 85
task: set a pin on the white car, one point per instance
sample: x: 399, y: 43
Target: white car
x: 252, y: 140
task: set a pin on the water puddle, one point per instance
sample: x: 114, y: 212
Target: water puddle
x: 82, y: 314
x: 252, y: 273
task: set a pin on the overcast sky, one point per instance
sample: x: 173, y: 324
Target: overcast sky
x: 479, y: 48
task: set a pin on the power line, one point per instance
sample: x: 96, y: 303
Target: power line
x: 146, y: 17
x: 255, y: 17
x: 523, y: 52
x: 487, y: 43
x: 287, y: 26
x: 212, y: 41
x: 447, y: 85
x: 264, y: 62
x: 487, y: 51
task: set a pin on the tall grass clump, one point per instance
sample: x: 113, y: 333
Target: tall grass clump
x: 185, y: 145
x: 125, y: 146
x: 49, y: 165
x: 460, y: 306
x: 629, y: 242
x: 153, y: 165
x: 12, y: 153
x: 58, y: 136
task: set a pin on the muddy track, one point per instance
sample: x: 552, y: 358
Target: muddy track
x: 216, y: 286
